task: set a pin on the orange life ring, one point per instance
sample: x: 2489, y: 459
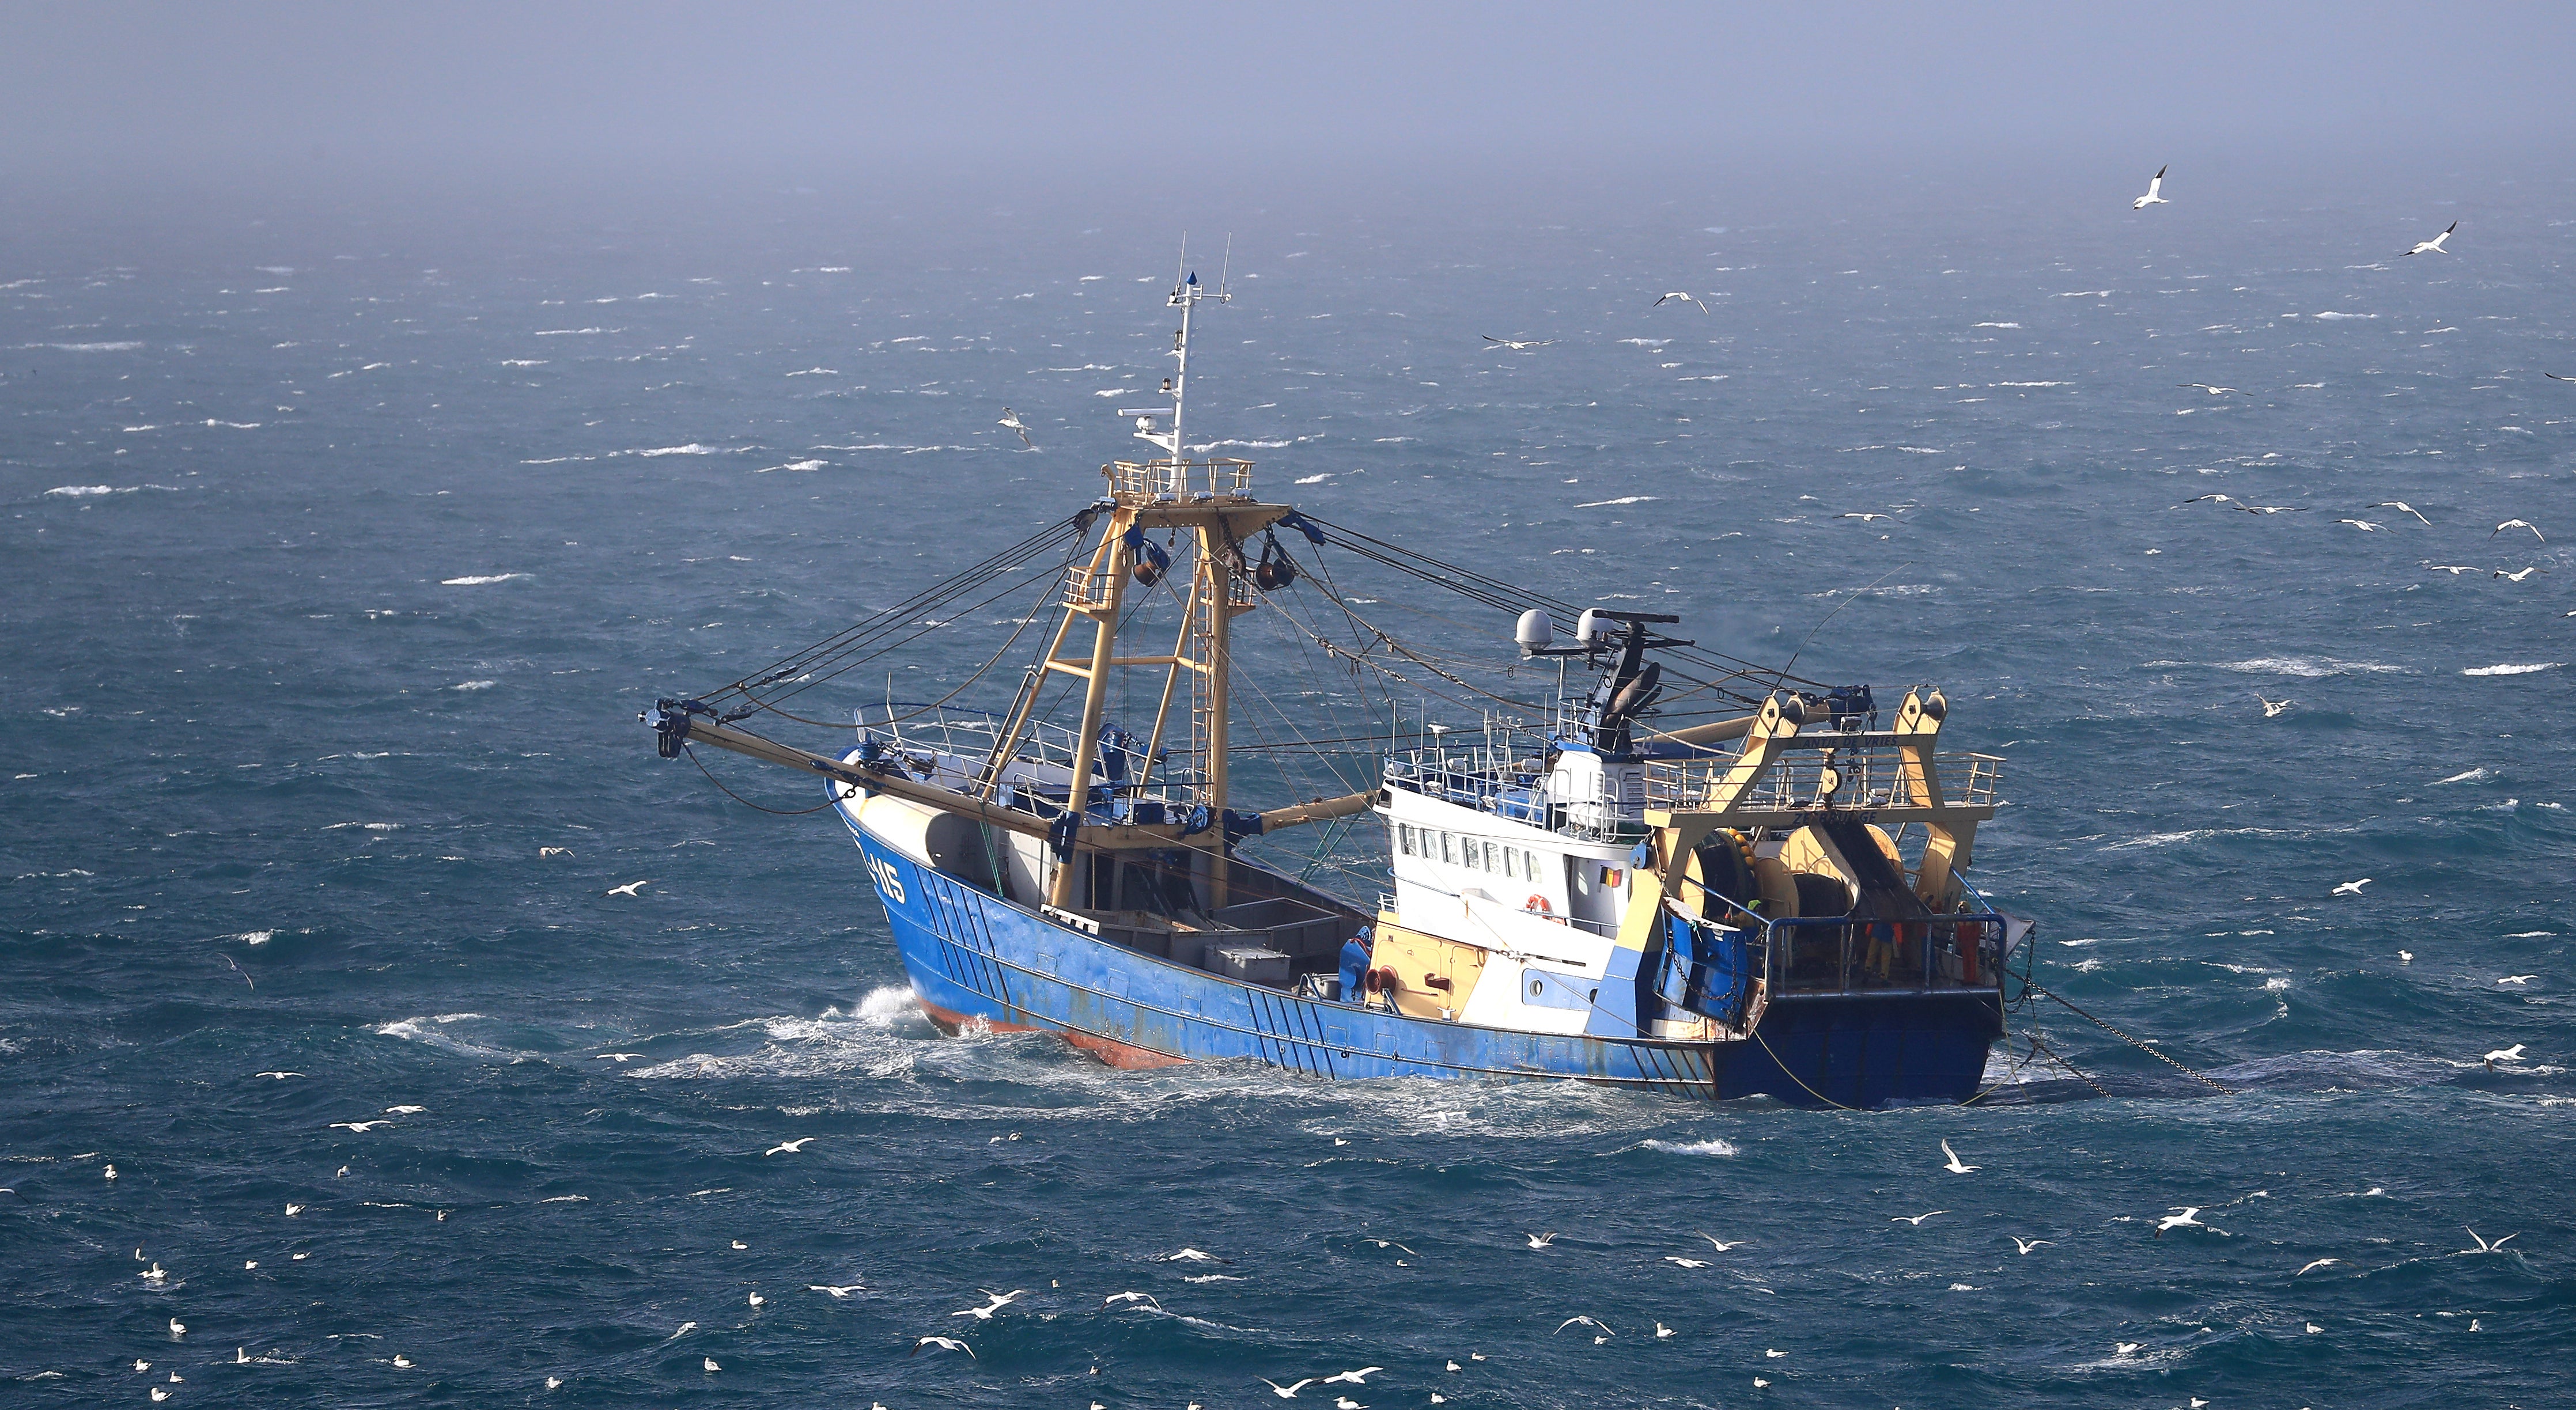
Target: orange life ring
x: 1539, y: 904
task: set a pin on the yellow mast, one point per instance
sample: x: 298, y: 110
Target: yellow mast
x: 1212, y: 502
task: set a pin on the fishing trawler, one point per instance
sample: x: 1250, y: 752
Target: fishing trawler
x: 1676, y: 872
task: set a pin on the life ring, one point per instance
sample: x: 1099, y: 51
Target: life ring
x: 1538, y: 904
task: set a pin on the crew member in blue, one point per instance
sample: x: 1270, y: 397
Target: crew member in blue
x: 1355, y: 963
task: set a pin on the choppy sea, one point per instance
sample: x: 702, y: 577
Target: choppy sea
x: 345, y: 541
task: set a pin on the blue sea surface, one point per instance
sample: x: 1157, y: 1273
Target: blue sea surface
x: 346, y: 541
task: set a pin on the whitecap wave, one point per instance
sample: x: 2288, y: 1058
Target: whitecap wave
x: 85, y: 491
x: 433, y: 1032
x: 1711, y: 1146
x: 2309, y: 666
x: 2510, y: 670
x: 796, y: 465
x: 2167, y: 839
x: 2472, y: 776
x: 2333, y: 315
x: 479, y: 581
x: 93, y: 347
x: 473, y: 685
x: 883, y: 1007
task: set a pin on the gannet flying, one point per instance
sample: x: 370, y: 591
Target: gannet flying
x: 1685, y: 298
x: 2434, y: 245
x: 1012, y: 420
x: 1521, y: 346
x: 2155, y: 193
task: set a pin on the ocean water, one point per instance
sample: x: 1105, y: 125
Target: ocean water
x: 347, y: 540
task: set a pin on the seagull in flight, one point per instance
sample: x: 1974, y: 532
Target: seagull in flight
x: 2349, y: 888
x: 2320, y: 1263
x: 2024, y: 1246
x: 2434, y: 245
x: 617, y: 1057
x: 2155, y: 192
x: 1686, y: 1262
x: 944, y: 1344
x: 1191, y: 1255
x: 2188, y: 1218
x: 794, y: 1147
x: 999, y: 1301
x: 2364, y: 525
x: 1541, y: 1240
x: 2454, y: 569
x: 2518, y: 524
x: 1915, y: 1219
x: 2554, y: 377
x: 629, y: 888
x: 2195, y: 499
x: 1955, y: 1165
x: 1145, y: 1298
x: 2517, y: 979
x: 2516, y: 577
x: 1524, y: 345
x: 1869, y: 518
x: 1685, y: 298
x: 2512, y: 1054
x: 280, y: 1076
x: 1288, y: 1391
x: 2273, y: 508
x: 2273, y: 707
x: 2404, y: 508
x: 2484, y: 1246
x: 1357, y: 1378
x: 839, y: 1294
x: 2213, y: 391
x: 1012, y: 420
x: 1601, y: 1327
x: 1720, y: 1245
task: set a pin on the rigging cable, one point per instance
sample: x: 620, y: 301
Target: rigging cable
x: 729, y: 793
x: 2179, y: 1066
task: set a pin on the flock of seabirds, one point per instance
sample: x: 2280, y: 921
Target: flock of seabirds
x: 1339, y: 1384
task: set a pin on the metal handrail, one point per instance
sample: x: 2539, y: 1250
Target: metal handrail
x: 1866, y: 776
x: 1179, y: 479
x: 1851, y: 928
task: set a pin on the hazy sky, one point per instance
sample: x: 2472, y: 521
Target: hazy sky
x: 1137, y: 89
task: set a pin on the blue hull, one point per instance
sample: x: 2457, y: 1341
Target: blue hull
x: 975, y: 959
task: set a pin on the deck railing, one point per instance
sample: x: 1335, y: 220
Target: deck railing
x: 1153, y: 480
x: 1863, y: 775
